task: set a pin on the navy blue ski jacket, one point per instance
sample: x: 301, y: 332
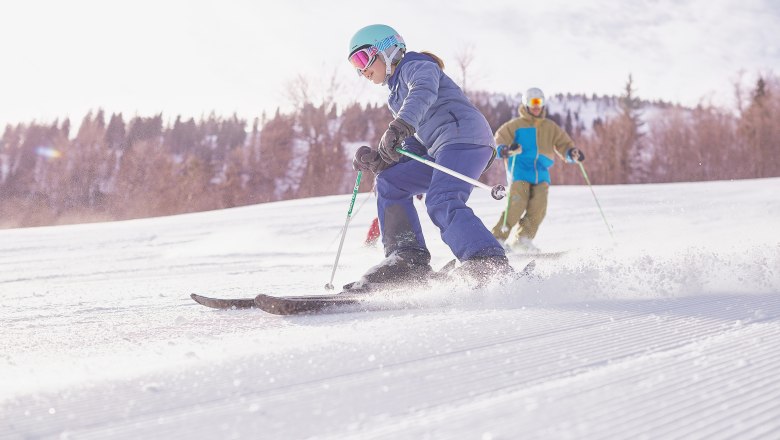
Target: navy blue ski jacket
x: 427, y: 99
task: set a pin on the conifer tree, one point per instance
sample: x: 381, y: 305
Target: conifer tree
x: 637, y: 156
x: 115, y: 132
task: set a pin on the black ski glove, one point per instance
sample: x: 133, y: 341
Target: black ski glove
x: 574, y: 155
x: 366, y: 159
x: 504, y: 152
x: 395, y: 134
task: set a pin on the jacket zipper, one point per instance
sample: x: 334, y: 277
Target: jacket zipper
x: 536, y: 159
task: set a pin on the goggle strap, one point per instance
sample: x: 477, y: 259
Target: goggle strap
x: 389, y: 62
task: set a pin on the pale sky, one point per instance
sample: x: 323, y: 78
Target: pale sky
x: 63, y: 58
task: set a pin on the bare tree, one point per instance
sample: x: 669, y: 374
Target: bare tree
x: 314, y: 90
x: 463, y: 59
x: 318, y: 129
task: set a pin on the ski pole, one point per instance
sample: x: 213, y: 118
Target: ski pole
x: 497, y: 192
x: 329, y: 286
x: 357, y: 211
x: 509, y: 178
x: 585, y: 175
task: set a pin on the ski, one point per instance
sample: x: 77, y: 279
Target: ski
x: 307, y: 305
x: 302, y: 304
x: 292, y: 305
x: 349, y: 300
x: 224, y: 303
x: 345, y: 301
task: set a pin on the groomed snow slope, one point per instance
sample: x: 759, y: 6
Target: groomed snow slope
x: 672, y: 330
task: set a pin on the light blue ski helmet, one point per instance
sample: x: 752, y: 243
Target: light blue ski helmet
x: 378, y: 39
x: 379, y: 35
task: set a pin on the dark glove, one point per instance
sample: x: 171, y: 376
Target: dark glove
x: 574, y: 155
x: 366, y: 159
x: 503, y: 151
x: 395, y: 134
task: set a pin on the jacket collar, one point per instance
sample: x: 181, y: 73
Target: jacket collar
x: 392, y: 82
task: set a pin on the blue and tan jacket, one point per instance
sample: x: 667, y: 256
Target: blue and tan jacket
x: 540, y: 140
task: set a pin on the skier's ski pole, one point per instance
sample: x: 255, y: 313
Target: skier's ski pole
x: 497, y: 192
x: 585, y: 175
x: 509, y: 177
x: 357, y: 211
x: 329, y: 286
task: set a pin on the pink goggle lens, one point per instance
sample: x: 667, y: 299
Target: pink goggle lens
x: 360, y: 59
x: 363, y: 58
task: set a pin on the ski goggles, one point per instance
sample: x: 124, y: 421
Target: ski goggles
x: 536, y: 102
x: 363, y: 58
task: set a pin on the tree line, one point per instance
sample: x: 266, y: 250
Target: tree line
x: 113, y: 168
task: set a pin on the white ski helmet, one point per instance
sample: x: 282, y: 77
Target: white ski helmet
x: 534, y: 97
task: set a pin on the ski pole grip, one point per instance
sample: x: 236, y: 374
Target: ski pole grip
x: 498, y: 192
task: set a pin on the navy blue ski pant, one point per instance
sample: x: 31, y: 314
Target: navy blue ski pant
x: 445, y: 202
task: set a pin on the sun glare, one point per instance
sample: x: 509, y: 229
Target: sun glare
x: 48, y: 152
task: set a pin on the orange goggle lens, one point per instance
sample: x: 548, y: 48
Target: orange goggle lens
x: 536, y: 102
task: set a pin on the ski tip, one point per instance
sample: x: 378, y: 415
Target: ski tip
x: 222, y: 303
x: 449, y: 266
x: 528, y: 269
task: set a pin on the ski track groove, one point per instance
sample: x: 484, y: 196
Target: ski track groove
x: 755, y: 423
x: 691, y: 402
x: 487, y: 360
x: 619, y: 351
x: 763, y: 390
x: 630, y: 359
x: 726, y: 333
x: 674, y: 427
x: 605, y: 412
x: 767, y: 416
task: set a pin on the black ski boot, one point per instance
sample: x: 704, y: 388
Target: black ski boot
x: 403, y: 267
x: 480, y: 271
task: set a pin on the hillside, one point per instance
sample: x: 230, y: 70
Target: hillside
x: 669, y: 331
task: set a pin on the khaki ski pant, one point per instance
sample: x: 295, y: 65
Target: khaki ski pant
x: 527, y: 208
